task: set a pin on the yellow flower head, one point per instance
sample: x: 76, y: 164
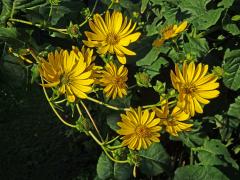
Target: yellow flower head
x: 68, y: 73
x: 173, y: 122
x: 112, y: 35
x: 114, y: 80
x: 173, y: 30
x: 139, y: 128
x: 195, y: 86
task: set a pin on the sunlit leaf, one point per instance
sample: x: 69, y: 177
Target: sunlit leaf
x: 231, y: 66
x: 197, y: 172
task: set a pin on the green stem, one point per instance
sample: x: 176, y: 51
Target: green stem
x: 114, y: 139
x: 104, y: 149
x: 50, y: 12
x: 88, y: 17
x: 107, y: 105
x: 53, y: 108
x: 133, y: 86
x: 191, y: 157
x: 60, y: 101
x: 115, y: 147
x: 95, y: 139
x: 63, y: 31
x: 92, y: 120
x: 79, y: 110
x: 111, y: 4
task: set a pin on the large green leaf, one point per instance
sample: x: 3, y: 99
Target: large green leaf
x: 104, y: 167
x: 234, y: 109
x: 226, y: 3
x: 231, y: 66
x: 197, y: 172
x: 112, y: 120
x: 122, y: 171
x: 213, y: 152
x: 196, y: 46
x: 200, y: 17
x: 10, y: 7
x: 151, y: 56
x: 154, y: 68
x: 8, y: 33
x: 155, y: 160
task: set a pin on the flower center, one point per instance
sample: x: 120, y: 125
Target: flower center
x: 189, y: 89
x: 142, y: 131
x: 112, y: 39
x: 168, y: 32
x: 118, y: 81
x: 64, y: 79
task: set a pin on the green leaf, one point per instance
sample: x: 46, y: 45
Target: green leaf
x: 8, y: 33
x: 226, y: 3
x: 122, y: 171
x: 213, y: 152
x: 191, y: 139
x: 156, y: 2
x: 230, y: 26
x: 11, y: 7
x: 153, y: 29
x: 154, y: 68
x: 35, y: 73
x: 112, y: 120
x: 231, y: 67
x: 196, y: 46
x: 199, y: 13
x: 197, y: 172
x: 234, y: 109
x: 236, y: 18
x: 144, y: 5
x: 155, y: 160
x: 104, y: 167
x: 151, y: 56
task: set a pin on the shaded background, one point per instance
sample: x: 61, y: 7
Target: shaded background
x: 33, y: 143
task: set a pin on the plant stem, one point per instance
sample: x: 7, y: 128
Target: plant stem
x: 53, y: 108
x: 115, y: 147
x: 63, y: 31
x: 92, y: 120
x: 112, y: 140
x: 88, y: 17
x: 104, y: 149
x: 112, y: 2
x: 50, y: 12
x: 191, y: 157
x: 79, y: 110
x: 107, y: 105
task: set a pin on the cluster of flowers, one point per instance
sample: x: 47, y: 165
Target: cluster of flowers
x: 74, y: 73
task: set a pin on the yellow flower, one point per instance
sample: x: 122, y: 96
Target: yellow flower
x: 139, y: 128
x: 173, y: 122
x: 112, y: 35
x: 158, y: 42
x: 114, y: 79
x: 173, y: 30
x: 195, y: 86
x: 68, y: 73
